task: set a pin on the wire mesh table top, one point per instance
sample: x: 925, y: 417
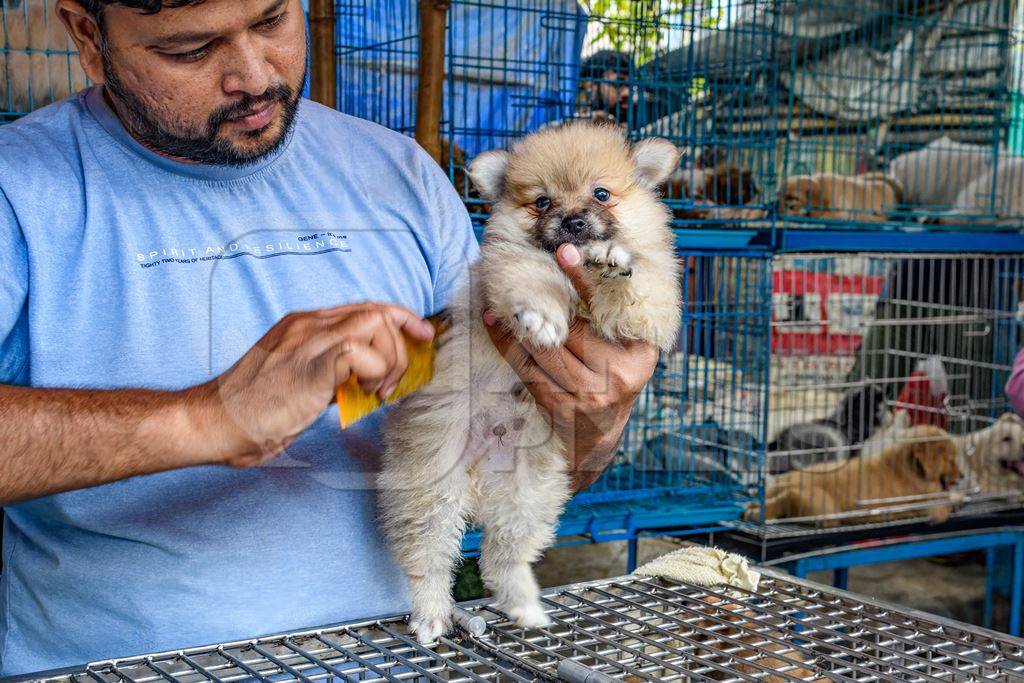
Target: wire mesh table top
x: 630, y: 628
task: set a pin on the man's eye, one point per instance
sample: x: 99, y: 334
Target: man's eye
x: 192, y: 55
x: 542, y: 202
x: 602, y: 195
x: 271, y: 23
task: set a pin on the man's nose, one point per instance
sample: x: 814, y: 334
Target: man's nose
x: 575, y: 224
x: 248, y: 72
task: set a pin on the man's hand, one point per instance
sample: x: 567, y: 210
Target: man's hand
x: 259, y: 406
x: 588, y: 386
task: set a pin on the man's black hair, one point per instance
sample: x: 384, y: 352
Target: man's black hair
x: 601, y: 62
x: 96, y: 7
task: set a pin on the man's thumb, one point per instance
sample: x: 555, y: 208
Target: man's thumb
x: 571, y: 262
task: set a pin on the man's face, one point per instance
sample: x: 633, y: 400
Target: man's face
x: 214, y: 83
x: 610, y: 94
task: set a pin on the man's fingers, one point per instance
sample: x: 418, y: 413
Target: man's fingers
x: 501, y: 336
x: 361, y: 360
x: 571, y: 262
x: 562, y: 366
x: 412, y: 324
x: 521, y: 360
x: 400, y: 361
x: 582, y: 342
x: 415, y: 326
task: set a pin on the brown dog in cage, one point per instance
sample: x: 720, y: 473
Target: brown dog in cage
x: 722, y: 192
x: 913, y: 477
x: 871, y: 197
x: 31, y: 74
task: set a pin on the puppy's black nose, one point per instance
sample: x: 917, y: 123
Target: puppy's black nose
x: 575, y: 224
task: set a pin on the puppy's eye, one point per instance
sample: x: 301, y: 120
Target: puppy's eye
x: 542, y: 203
x: 602, y: 195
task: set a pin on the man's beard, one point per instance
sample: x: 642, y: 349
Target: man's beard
x: 204, y: 146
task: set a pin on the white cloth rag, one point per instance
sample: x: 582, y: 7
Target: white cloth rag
x: 703, y: 566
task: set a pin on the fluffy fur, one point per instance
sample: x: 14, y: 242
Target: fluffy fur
x: 922, y: 465
x: 870, y: 197
x: 992, y: 459
x: 472, y: 446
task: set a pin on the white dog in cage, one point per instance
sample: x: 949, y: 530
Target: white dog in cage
x: 472, y: 445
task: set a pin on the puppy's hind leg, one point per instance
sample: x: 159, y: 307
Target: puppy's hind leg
x: 423, y: 517
x: 427, y: 545
x: 517, y: 529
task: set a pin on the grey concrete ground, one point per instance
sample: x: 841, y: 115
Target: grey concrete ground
x: 951, y: 587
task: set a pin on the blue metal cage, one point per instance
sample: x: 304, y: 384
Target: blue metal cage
x: 38, y: 64
x: 698, y: 429
x: 789, y: 113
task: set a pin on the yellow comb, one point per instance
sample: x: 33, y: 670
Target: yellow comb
x: 354, y: 404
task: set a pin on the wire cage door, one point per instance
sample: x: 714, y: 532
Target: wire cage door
x: 887, y: 400
x: 697, y: 433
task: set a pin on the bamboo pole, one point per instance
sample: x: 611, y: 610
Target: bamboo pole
x: 429, y: 96
x: 324, y: 64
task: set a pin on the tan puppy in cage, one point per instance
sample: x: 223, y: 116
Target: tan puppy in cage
x: 472, y: 446
x: 870, y: 197
x: 912, y: 476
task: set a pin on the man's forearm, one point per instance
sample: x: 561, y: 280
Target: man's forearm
x: 55, y: 440
x: 593, y: 451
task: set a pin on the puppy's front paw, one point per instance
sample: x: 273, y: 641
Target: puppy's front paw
x: 608, y: 260
x: 427, y: 629
x: 529, y: 616
x: 540, y: 328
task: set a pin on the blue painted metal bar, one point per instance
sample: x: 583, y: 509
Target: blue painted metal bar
x: 915, y: 549
x: 841, y: 560
x: 689, y: 238
x: 1016, y: 586
x: 632, y: 547
x: 628, y: 520
x: 990, y: 587
x: 841, y: 578
x: 901, y: 241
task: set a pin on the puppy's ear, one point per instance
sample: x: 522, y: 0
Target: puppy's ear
x: 934, y: 459
x: 655, y: 159
x: 926, y: 458
x: 487, y: 172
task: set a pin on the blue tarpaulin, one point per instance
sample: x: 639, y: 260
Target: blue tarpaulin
x: 509, y: 70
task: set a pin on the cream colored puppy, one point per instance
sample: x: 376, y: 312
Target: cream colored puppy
x: 472, y: 446
x: 870, y: 197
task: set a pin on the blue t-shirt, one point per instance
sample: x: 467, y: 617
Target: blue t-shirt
x: 120, y: 268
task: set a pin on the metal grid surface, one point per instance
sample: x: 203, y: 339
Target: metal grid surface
x: 636, y: 629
